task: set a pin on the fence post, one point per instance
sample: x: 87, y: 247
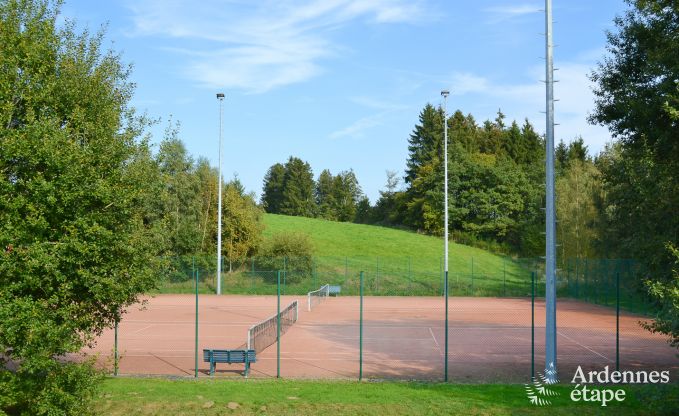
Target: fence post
x: 617, y: 322
x: 532, y: 325
x: 568, y: 278
x: 441, y: 275
x: 195, y: 349
x: 586, y: 283
x: 577, y: 288
x: 472, y: 291
x: 314, y: 272
x: 504, y: 277
x: 278, y: 324
x: 409, y: 275
x: 360, y: 331
x: 115, y: 348
x: 377, y: 277
x: 285, y: 271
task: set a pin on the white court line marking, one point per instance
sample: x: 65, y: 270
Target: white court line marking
x: 585, y: 347
x: 142, y: 329
x: 435, y: 341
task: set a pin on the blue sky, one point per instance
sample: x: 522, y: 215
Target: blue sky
x: 340, y: 83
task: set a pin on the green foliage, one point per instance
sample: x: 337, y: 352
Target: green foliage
x: 290, y: 251
x: 272, y: 195
x: 666, y: 293
x: 579, y: 191
x: 298, y: 189
x: 180, y: 203
x: 325, y: 197
x: 290, y: 189
x: 636, y: 91
x: 76, y: 185
x: 49, y: 388
x: 637, y: 98
x: 242, y: 224
x: 495, y: 187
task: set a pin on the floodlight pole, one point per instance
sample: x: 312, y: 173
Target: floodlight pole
x: 550, y: 220
x: 220, y: 97
x: 445, y: 93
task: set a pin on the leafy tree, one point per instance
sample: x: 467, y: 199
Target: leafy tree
x: 242, y: 224
x: 75, y: 220
x: 387, y: 209
x: 180, y: 200
x: 272, y: 196
x: 207, y: 178
x: 667, y: 294
x: 364, y: 211
x: 637, y: 98
x: 579, y: 192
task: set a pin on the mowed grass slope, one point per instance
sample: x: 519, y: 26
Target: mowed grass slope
x: 415, y: 256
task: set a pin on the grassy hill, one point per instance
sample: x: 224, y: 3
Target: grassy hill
x: 398, y: 262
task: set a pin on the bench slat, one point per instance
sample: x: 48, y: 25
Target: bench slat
x: 228, y: 356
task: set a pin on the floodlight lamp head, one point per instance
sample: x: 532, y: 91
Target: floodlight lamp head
x: 220, y: 95
x: 445, y: 93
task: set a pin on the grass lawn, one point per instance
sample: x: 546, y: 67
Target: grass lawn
x: 148, y: 396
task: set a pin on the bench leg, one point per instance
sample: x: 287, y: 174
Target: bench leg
x: 247, y: 368
x: 212, y: 368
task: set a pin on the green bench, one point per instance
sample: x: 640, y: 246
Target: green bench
x: 229, y: 357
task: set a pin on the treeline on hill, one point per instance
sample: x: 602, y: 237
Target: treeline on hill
x: 290, y: 189
x: 496, y: 185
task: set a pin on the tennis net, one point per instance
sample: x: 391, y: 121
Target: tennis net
x: 317, y: 296
x: 264, y: 334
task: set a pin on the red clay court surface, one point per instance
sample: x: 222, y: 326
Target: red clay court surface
x: 403, y: 338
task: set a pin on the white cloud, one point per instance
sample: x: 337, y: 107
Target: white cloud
x: 258, y: 46
x: 503, y: 13
x: 573, y: 91
x: 378, y: 104
x: 358, y: 128
x: 464, y: 83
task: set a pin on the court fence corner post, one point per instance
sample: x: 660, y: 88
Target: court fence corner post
x: 278, y: 324
x: 360, y: 330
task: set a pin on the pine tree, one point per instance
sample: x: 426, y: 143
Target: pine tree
x: 325, y: 198
x: 298, y: 189
x: 272, y: 195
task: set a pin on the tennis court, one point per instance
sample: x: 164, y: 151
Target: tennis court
x: 403, y: 338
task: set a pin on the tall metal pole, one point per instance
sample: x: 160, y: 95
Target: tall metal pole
x: 220, y: 97
x: 550, y: 220
x: 360, y: 330
x: 445, y: 93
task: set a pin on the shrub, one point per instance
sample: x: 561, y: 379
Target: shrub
x: 292, y: 252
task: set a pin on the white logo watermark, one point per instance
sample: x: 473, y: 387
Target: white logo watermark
x: 537, y: 391
x: 585, y: 389
x: 607, y: 394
